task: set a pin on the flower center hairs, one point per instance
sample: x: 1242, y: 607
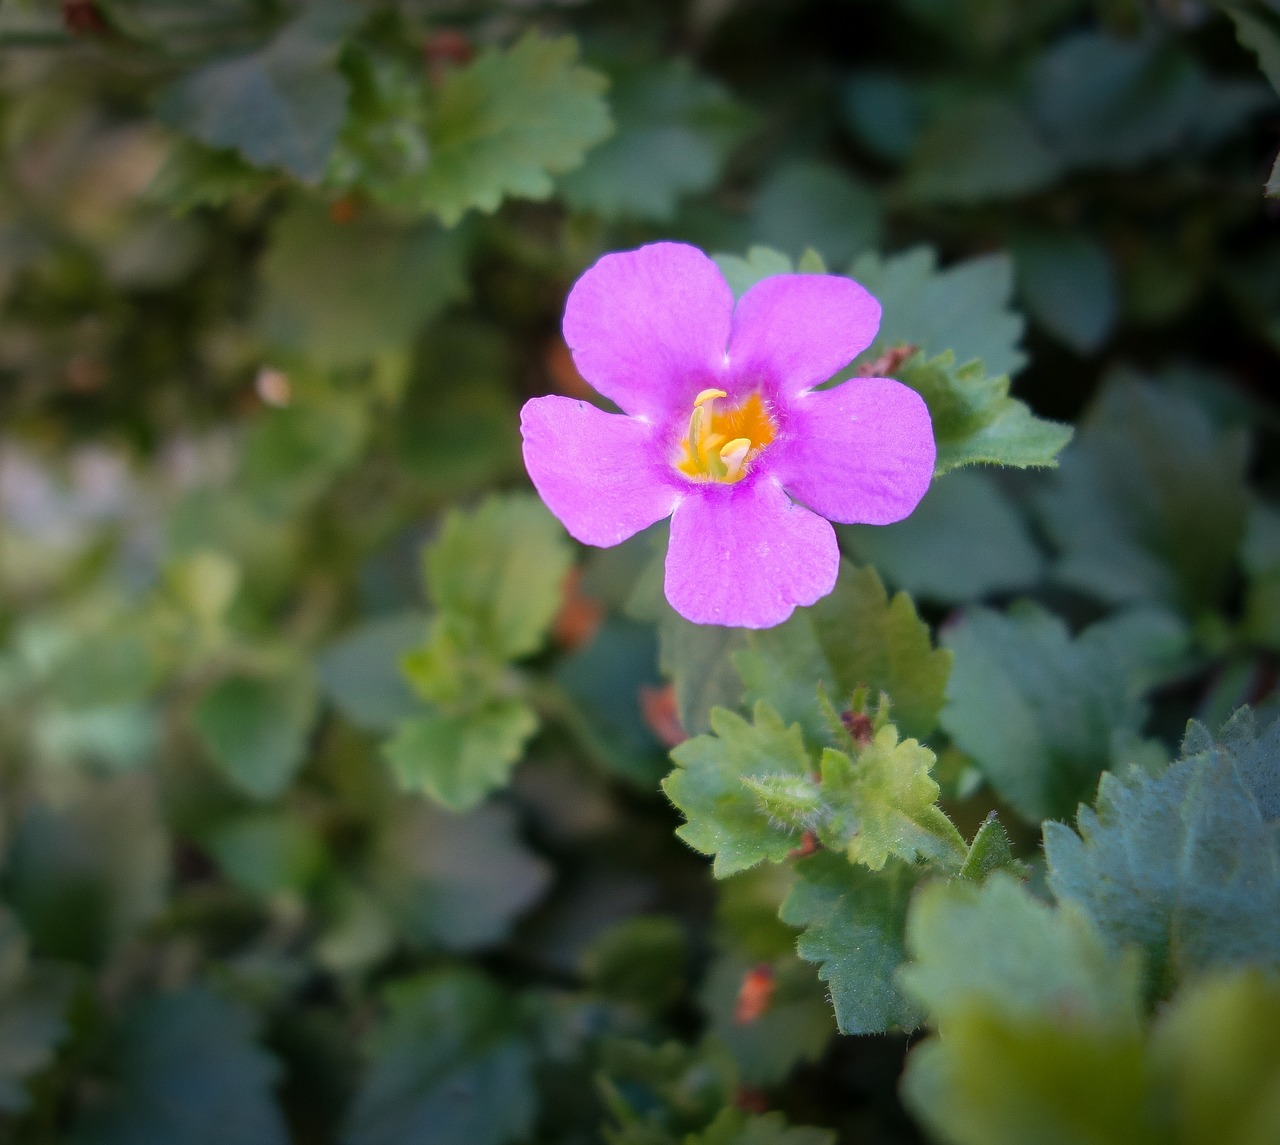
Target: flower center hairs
x: 722, y: 442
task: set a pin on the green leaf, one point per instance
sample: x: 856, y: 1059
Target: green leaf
x: 734, y: 1127
x: 977, y: 151
x: 449, y: 1066
x: 853, y: 923
x: 724, y: 818
x: 183, y: 1063
x: 965, y: 540
x: 855, y: 637
x: 641, y: 961
x: 279, y: 106
x: 1043, y: 714
x: 360, y: 672
x: 661, y: 1093
x: 884, y: 803
x: 507, y: 122
x: 455, y: 882
x: 33, y: 1004
x: 197, y: 176
x: 1183, y: 866
x: 989, y: 852
x: 975, y: 421
x: 803, y: 205
x: 265, y: 853
x: 459, y: 759
x: 997, y: 949
x: 698, y: 659
x: 1260, y: 36
x: 256, y: 730
x: 497, y: 574
x: 1068, y: 282
x: 760, y: 263
x: 794, y: 1027
x: 1150, y: 504
x: 675, y: 129
x: 1216, y: 1053
x: 342, y: 292
x: 883, y: 111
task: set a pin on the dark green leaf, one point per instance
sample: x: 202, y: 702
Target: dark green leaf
x: 360, y: 673
x: 805, y: 205
x: 33, y: 1003
x: 1069, y: 284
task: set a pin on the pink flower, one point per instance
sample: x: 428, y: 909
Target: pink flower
x: 723, y: 431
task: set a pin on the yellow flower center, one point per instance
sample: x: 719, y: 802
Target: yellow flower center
x: 721, y: 443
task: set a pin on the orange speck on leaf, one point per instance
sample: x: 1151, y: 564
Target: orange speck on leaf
x: 754, y: 994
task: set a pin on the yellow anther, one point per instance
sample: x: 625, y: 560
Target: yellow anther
x: 708, y: 396
x: 722, y: 443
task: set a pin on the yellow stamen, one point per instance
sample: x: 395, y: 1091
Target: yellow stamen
x: 721, y: 443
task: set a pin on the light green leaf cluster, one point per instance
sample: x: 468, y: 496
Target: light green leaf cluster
x: 495, y: 578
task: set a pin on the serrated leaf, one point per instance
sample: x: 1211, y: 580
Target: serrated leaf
x: 853, y: 923
x: 452, y: 881
x: 884, y: 803
x: 449, y: 1066
x: 458, y: 759
x: 505, y: 123
x: 803, y: 205
x: 675, y: 128
x: 341, y: 292
x: 965, y: 540
x: 497, y: 574
x: 965, y: 308
x: 1150, y: 503
x: 197, y: 176
x: 975, y: 421
x: 723, y: 816
x: 279, y: 106
x: 989, y: 852
x: 185, y: 1062
x: 256, y: 730
x: 997, y: 948
x: 1183, y: 866
x: 1043, y: 714
x: 760, y: 263
x: 33, y: 1004
x: 977, y: 151
x: 856, y: 637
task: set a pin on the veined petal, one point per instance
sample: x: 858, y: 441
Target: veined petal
x: 598, y: 472
x: 794, y: 331
x: 861, y: 453
x: 745, y: 556
x: 649, y: 327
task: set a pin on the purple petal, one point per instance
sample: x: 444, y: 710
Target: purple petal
x: 744, y: 555
x: 861, y: 453
x: 598, y: 472
x: 794, y: 331
x: 648, y: 328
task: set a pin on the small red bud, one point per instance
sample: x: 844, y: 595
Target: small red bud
x: 754, y: 994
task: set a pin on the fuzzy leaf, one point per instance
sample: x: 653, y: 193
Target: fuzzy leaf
x: 1043, y: 714
x: 853, y: 923
x: 1150, y: 503
x: 1184, y: 866
x: 458, y: 759
x: 449, y: 1066
x: 280, y: 106
x: 855, y: 637
x: 724, y: 817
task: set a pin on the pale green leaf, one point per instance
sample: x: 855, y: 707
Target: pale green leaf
x: 458, y: 759
x: 723, y: 816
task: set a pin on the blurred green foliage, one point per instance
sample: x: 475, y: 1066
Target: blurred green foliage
x: 331, y: 773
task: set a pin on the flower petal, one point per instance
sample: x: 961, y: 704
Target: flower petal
x: 794, y: 331
x: 649, y: 327
x: 596, y: 471
x: 744, y: 555
x: 861, y: 453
